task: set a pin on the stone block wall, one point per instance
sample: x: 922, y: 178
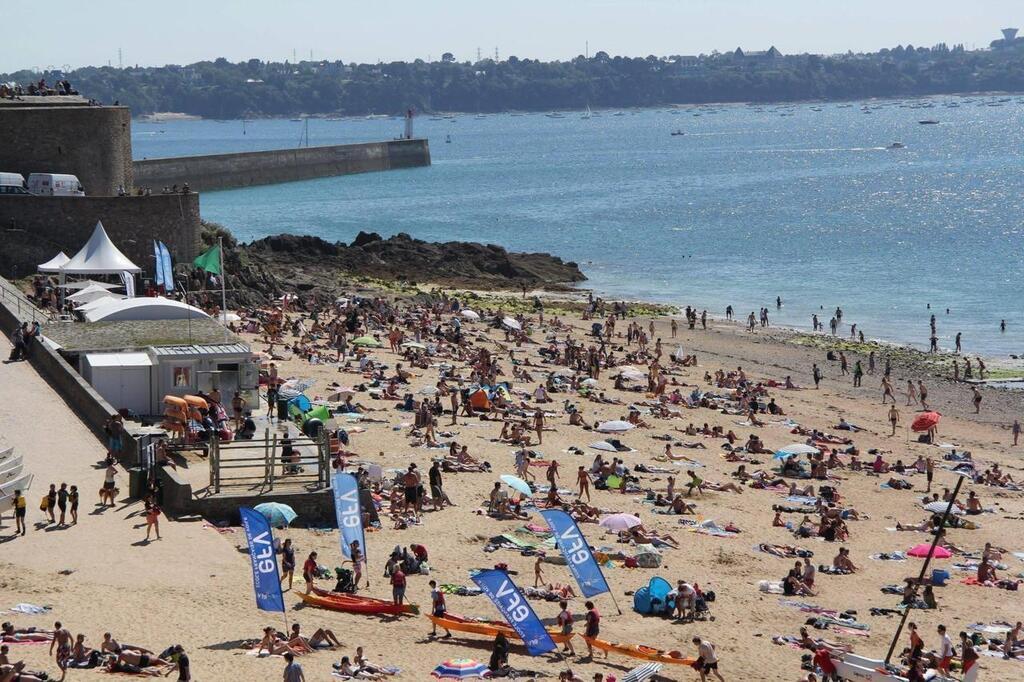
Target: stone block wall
x: 91, y: 142
x: 34, y: 229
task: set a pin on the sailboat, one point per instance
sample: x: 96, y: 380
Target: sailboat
x: 587, y: 114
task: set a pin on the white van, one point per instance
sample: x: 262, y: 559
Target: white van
x: 12, y: 183
x: 55, y: 185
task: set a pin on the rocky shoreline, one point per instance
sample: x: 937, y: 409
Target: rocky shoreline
x: 271, y: 267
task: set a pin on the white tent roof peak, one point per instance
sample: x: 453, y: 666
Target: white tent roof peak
x: 55, y: 263
x: 99, y: 256
x: 157, y: 308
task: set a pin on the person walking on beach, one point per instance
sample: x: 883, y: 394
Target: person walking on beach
x: 538, y: 425
x: 922, y: 391
x: 981, y: 368
x: 728, y: 312
x: 438, y: 608
x: 62, y: 503
x: 309, y: 569
x: 592, y: 628
x: 707, y: 660
x: 51, y: 502
x: 1016, y: 431
x: 675, y: 327
x: 583, y: 481
x: 871, y: 363
x: 20, y: 509
x: 929, y: 473
x: 933, y: 344
x: 957, y: 343
x: 945, y: 650
x: 816, y: 375
x: 538, y: 572
x: 887, y: 390
x: 73, y: 500
x: 894, y: 417
x: 814, y: 322
x: 751, y: 322
x: 976, y: 399
x: 62, y: 641
x: 152, y: 519
x: 288, y: 562
x: 834, y: 325
x: 398, y: 586
x: 844, y: 368
x: 911, y: 393
x: 292, y: 670
x: 858, y: 373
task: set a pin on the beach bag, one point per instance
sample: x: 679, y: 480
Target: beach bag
x: 45, y: 504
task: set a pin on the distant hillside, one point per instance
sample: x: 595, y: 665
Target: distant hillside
x: 220, y: 89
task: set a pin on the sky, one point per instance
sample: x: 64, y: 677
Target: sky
x: 73, y: 33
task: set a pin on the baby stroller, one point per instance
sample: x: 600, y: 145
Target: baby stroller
x: 701, y: 610
x: 344, y: 583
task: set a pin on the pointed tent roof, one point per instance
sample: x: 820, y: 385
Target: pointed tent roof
x: 55, y: 263
x: 99, y: 256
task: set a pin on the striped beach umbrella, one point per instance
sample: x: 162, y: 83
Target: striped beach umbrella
x: 461, y: 669
x: 642, y: 672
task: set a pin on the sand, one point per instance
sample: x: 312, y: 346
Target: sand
x: 193, y: 586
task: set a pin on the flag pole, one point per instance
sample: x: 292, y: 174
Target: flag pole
x: 223, y: 288
x: 612, y: 595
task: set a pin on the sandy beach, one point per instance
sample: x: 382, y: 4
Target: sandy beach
x: 193, y: 587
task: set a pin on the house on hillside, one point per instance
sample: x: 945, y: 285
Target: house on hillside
x: 768, y: 55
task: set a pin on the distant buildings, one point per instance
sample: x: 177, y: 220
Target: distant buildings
x: 1009, y: 39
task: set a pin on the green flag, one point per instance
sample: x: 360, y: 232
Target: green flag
x: 209, y: 261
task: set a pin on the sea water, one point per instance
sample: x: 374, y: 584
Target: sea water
x: 748, y: 204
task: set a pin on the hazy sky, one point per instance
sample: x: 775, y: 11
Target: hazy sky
x: 63, y: 32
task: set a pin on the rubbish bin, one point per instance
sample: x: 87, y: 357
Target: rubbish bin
x: 282, y: 409
x: 137, y: 481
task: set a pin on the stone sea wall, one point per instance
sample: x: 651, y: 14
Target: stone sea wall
x: 225, y: 171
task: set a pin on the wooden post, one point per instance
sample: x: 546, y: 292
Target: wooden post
x: 267, y: 461
x: 215, y: 459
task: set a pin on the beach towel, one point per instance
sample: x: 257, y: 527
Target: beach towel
x: 889, y: 556
x: 801, y: 499
x: 770, y: 587
x: 31, y: 609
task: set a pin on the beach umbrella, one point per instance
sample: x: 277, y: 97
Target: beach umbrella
x: 939, y: 507
x: 591, y: 382
x: 517, y: 484
x: 461, y: 669
x: 603, y: 445
x: 642, y: 672
x: 615, y: 426
x: 619, y: 522
x: 512, y: 324
x: 414, y: 344
x: 921, y: 551
x: 631, y: 374
x: 925, y: 421
x: 428, y: 390
x: 470, y: 314
x: 367, y: 341
x: 797, y: 449
x: 276, y: 513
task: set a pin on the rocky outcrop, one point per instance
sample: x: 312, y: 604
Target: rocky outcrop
x: 283, y: 263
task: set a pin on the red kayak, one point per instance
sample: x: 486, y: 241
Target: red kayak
x: 351, y: 603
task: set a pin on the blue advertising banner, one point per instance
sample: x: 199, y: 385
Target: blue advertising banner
x: 168, y: 267
x: 265, y: 579
x: 513, y: 606
x: 577, y: 553
x: 348, y: 512
x: 158, y: 275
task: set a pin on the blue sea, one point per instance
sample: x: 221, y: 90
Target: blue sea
x: 803, y: 202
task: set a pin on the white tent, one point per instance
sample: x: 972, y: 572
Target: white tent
x: 99, y: 256
x: 157, y: 308
x: 55, y: 263
x: 91, y: 293
x: 81, y: 284
x: 99, y: 302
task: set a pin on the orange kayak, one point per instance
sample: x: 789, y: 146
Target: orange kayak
x: 489, y: 628
x: 639, y: 651
x: 351, y: 603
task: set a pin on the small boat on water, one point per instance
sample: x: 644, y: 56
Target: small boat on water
x: 677, y: 132
x: 929, y: 122
x: 896, y: 145
x: 554, y: 114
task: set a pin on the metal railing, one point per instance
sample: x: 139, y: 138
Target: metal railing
x: 257, y: 463
x: 19, y: 304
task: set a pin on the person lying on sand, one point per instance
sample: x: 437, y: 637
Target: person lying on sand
x: 320, y: 639
x: 111, y: 645
x: 16, y: 673
x: 807, y: 642
x: 276, y: 646
x: 646, y: 537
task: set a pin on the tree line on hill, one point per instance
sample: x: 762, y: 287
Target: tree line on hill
x: 221, y: 89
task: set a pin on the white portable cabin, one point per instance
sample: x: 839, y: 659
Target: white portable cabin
x: 139, y: 380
